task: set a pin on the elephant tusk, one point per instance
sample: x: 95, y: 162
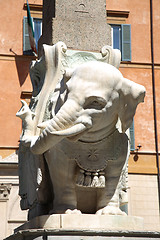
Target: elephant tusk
x: 43, y: 125
x: 74, y: 130
x: 48, y: 139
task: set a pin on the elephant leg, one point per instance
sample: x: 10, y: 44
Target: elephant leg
x: 108, y: 198
x: 62, y: 173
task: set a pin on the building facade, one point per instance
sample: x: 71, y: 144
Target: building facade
x: 131, y: 32
x: 143, y: 185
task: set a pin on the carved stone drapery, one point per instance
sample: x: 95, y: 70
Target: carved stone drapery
x: 4, y: 191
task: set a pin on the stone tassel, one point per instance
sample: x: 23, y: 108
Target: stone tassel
x: 88, y: 179
x: 95, y: 181
x: 101, y: 179
x: 80, y: 178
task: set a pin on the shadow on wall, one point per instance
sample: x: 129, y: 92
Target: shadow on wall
x: 22, y: 66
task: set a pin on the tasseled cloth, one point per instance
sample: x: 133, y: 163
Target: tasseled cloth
x: 92, y: 158
x: 88, y: 179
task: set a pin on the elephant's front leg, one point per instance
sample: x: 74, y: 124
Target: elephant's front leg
x: 108, y: 198
x: 62, y: 173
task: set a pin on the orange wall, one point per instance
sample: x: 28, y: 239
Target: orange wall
x: 11, y: 19
x: 139, y: 18
x: 156, y: 30
x: 140, y: 29
x: 144, y: 125
x: 14, y: 69
x: 14, y: 78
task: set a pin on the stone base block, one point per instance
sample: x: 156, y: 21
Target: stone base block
x: 83, y: 227
x: 84, y: 222
x: 46, y: 234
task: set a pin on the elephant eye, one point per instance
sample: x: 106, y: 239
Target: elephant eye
x: 98, y: 103
x: 95, y: 103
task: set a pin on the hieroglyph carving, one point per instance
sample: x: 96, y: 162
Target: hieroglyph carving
x: 71, y: 145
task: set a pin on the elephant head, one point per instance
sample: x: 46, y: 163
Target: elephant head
x: 98, y: 95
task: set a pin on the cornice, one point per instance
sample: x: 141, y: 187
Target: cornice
x: 34, y: 7
x: 113, y: 13
x: 142, y: 65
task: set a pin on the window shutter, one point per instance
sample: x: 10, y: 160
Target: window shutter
x: 126, y: 42
x: 26, y: 42
x: 132, y: 138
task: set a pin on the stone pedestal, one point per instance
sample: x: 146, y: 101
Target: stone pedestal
x: 83, y: 235
x: 85, y: 226
x: 84, y: 222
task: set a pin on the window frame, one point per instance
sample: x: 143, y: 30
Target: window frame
x: 132, y: 136
x: 123, y: 42
x: 25, y: 35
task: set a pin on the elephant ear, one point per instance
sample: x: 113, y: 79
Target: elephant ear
x: 68, y: 73
x: 131, y: 94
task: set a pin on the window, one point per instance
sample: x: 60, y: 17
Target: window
x: 121, y: 39
x: 37, y: 25
x: 132, y: 139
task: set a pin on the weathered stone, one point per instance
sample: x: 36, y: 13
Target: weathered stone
x: 89, y: 35
x: 80, y: 24
x: 86, y: 227
x: 84, y: 222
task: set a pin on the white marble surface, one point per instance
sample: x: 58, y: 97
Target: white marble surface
x: 72, y: 125
x: 84, y: 222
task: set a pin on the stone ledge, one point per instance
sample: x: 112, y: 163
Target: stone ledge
x: 41, y: 234
x: 84, y: 222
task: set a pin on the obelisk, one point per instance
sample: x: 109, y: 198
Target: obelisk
x: 80, y: 24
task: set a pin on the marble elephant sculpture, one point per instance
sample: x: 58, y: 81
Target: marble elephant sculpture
x: 84, y: 150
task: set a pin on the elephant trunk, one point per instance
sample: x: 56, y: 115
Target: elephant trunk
x: 66, y: 123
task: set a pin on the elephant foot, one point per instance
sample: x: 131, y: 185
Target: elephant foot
x: 75, y: 211
x: 110, y: 210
